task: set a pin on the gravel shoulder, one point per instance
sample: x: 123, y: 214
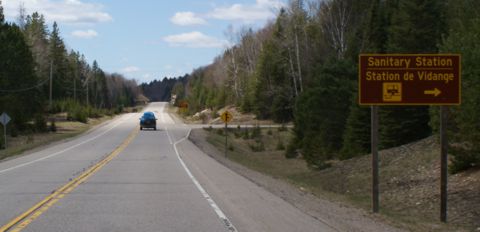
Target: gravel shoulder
x: 337, y: 214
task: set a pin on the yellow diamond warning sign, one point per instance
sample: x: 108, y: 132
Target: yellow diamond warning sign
x: 226, y: 117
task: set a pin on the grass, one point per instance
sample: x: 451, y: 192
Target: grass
x: 65, y: 129
x: 271, y: 161
x: 408, y: 180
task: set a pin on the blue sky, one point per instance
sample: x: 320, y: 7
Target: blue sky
x: 149, y: 39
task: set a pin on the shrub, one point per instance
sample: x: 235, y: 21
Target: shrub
x: 269, y: 132
x: 13, y: 131
x: 237, y: 134
x: 40, y: 123
x: 291, y: 151
x: 30, y: 138
x: 282, y: 128
x: 53, y: 126
x: 81, y: 115
x: 230, y: 147
x: 246, y: 134
x: 220, y: 131
x: 2, y: 141
x: 464, y: 157
x: 280, y: 145
x: 204, y: 118
x: 93, y: 112
x: 78, y: 114
x: 256, y: 133
x: 258, y: 146
x: 119, y: 109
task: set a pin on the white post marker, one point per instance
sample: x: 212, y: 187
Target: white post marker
x: 4, y: 119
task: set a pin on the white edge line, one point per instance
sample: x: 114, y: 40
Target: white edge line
x: 62, y: 151
x: 162, y: 117
x: 207, y: 197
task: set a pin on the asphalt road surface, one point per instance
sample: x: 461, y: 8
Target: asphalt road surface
x: 118, y: 178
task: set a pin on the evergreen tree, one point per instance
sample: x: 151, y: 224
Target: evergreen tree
x: 273, y: 90
x: 2, y: 16
x: 19, y: 87
x: 356, y: 139
x: 36, y: 34
x: 375, y: 30
x: 321, y: 112
x: 416, y: 27
x: 278, y: 73
x: 464, y: 123
x: 61, y: 83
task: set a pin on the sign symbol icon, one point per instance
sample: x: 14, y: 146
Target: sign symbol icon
x: 392, y: 91
x: 435, y: 92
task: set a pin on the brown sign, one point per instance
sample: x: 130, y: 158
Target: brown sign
x: 409, y: 79
x: 183, y: 104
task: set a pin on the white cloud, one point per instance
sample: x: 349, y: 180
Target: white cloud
x: 187, y: 18
x: 63, y: 11
x: 130, y: 69
x: 87, y: 34
x: 261, y: 10
x: 194, y: 39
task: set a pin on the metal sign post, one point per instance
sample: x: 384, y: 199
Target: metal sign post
x: 443, y: 163
x: 226, y: 140
x: 4, y: 119
x: 375, y: 175
x: 226, y: 117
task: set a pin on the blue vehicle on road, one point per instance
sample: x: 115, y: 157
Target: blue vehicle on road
x: 148, y: 120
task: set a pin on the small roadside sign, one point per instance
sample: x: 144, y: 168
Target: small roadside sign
x: 409, y: 79
x: 4, y: 119
x: 226, y: 117
x: 183, y: 104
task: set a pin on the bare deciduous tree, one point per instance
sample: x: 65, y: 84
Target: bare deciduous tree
x: 335, y: 16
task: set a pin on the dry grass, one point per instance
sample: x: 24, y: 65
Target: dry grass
x: 409, y: 181
x: 65, y: 129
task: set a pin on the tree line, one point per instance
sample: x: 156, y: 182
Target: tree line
x: 34, y: 59
x: 302, y: 67
x: 162, y: 90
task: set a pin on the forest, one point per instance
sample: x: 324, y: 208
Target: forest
x: 162, y: 90
x: 35, y: 67
x: 302, y: 68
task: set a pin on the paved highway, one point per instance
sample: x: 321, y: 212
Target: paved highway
x: 117, y: 178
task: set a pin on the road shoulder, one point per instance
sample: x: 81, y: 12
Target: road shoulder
x: 342, y: 216
x: 60, y: 139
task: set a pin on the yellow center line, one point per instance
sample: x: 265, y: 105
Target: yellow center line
x: 24, y: 219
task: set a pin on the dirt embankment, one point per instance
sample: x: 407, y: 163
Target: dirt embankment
x: 209, y: 116
x: 409, y: 185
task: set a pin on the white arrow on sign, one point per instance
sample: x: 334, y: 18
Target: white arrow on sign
x: 4, y: 118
